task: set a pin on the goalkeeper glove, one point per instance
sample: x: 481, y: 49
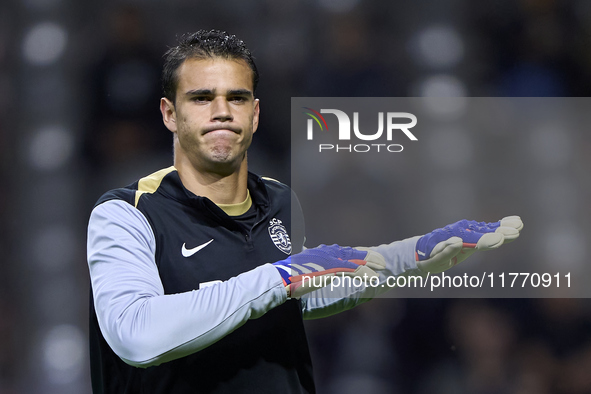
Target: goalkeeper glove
x: 445, y: 247
x: 311, y: 269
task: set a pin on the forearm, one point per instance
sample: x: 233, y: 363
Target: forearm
x: 149, y: 329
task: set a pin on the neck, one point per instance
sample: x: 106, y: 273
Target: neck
x: 219, y: 187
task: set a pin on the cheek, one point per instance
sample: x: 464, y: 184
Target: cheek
x: 184, y: 134
x: 185, y: 114
x: 181, y: 121
x: 183, y: 125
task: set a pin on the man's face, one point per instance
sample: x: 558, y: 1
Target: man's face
x: 215, y: 113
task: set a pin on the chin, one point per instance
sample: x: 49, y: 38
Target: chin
x: 222, y: 157
x: 225, y: 164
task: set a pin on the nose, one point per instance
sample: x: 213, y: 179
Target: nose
x: 220, y: 110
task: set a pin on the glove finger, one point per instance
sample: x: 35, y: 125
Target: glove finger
x: 484, y: 227
x: 512, y: 221
x: 442, y: 257
x: 481, y: 227
x: 509, y: 233
x: 508, y: 226
x: 488, y: 241
x: 469, y: 249
x: 450, y: 246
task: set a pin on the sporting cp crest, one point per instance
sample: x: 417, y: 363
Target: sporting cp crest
x: 279, y: 236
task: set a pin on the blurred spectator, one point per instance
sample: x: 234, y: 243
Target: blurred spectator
x: 536, y: 370
x: 483, y: 337
x: 350, y: 62
x: 530, y: 47
x: 124, y: 124
x: 361, y: 358
x: 563, y: 326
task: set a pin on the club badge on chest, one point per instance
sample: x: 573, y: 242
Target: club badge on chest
x: 279, y: 236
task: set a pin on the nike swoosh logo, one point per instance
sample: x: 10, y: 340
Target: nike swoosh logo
x: 190, y: 252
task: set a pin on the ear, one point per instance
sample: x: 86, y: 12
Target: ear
x: 255, y: 118
x: 168, y: 114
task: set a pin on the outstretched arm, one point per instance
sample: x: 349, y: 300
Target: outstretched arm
x: 432, y: 253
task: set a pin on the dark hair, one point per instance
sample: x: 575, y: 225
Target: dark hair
x: 200, y: 45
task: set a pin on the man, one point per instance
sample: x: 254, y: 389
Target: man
x: 184, y: 299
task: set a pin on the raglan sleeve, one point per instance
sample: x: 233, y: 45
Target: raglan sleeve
x: 142, y: 325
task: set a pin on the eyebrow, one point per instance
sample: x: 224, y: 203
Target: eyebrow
x: 239, y: 92
x: 203, y: 92
x: 208, y: 92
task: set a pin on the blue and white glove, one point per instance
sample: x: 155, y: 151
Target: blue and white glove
x: 445, y: 247
x: 313, y: 268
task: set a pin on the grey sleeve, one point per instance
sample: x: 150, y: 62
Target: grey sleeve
x: 144, y: 326
x: 400, y: 260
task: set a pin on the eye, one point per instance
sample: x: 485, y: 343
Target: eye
x: 238, y: 99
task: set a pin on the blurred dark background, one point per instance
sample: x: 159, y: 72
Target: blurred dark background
x: 79, y: 84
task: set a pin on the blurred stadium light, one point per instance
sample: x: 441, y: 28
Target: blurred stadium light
x: 438, y: 47
x: 44, y: 43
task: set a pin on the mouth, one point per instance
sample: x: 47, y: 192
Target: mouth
x: 221, y: 129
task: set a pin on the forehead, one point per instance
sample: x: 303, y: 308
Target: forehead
x: 214, y: 73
